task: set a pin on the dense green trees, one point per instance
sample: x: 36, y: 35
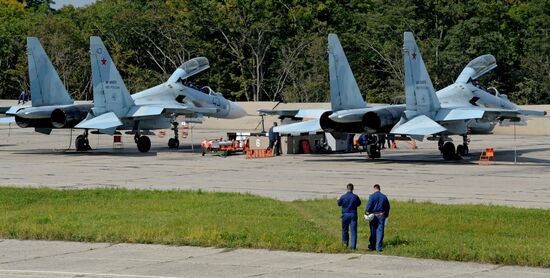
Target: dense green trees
x: 276, y: 50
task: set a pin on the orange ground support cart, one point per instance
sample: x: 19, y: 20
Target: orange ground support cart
x: 222, y: 147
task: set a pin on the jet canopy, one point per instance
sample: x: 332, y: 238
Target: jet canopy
x: 477, y: 67
x: 189, y: 68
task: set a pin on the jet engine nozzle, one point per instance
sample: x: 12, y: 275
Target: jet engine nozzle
x: 382, y: 120
x: 69, y: 116
x: 328, y: 125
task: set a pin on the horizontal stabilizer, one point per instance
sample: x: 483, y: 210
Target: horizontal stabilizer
x: 14, y: 109
x: 102, y: 122
x: 420, y: 126
x: 7, y: 120
x: 300, y: 127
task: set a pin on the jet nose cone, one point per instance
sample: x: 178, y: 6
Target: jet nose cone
x: 236, y: 111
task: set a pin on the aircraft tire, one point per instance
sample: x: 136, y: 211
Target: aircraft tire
x: 80, y: 143
x: 462, y: 150
x: 173, y: 143
x: 448, y: 151
x: 144, y: 144
x: 374, y: 151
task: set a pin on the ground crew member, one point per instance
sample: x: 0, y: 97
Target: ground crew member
x: 379, y: 205
x: 274, y: 140
x: 349, y: 203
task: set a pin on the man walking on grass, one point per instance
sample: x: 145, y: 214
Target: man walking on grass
x: 349, y: 203
x: 379, y: 205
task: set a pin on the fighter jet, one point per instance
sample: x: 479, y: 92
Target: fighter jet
x: 52, y: 107
x: 454, y: 109
x: 154, y: 108
x: 349, y: 113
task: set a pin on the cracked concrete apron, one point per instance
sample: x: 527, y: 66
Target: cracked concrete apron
x: 74, y: 259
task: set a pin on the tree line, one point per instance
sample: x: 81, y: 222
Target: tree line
x: 273, y: 50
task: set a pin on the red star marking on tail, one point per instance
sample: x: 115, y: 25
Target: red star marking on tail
x: 414, y: 55
x: 103, y: 61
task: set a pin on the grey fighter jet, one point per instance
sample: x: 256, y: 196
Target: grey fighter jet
x: 154, y: 108
x: 52, y: 107
x: 350, y: 114
x: 454, y: 109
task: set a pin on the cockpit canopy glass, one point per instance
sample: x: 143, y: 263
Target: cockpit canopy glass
x: 483, y: 64
x: 195, y: 64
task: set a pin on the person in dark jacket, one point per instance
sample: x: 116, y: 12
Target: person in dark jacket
x: 274, y: 140
x: 349, y: 203
x: 379, y: 205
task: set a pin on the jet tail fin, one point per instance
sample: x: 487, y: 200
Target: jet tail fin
x: 46, y: 86
x: 419, y: 91
x: 110, y: 92
x: 344, y: 92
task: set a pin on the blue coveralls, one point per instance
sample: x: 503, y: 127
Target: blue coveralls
x: 349, y: 203
x: 380, y: 206
x: 274, y: 141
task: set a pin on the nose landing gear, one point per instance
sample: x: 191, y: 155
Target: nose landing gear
x: 174, y: 143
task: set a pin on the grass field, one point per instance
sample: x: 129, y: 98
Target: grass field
x: 492, y: 234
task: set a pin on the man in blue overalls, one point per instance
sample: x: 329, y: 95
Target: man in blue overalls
x: 379, y: 205
x: 349, y: 203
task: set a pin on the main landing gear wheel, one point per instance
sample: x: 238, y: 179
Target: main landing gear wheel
x: 82, y: 144
x: 173, y: 143
x: 373, y: 151
x: 143, y: 144
x: 448, y: 151
x: 462, y: 150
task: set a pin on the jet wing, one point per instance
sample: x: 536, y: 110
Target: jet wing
x: 145, y: 111
x: 295, y: 113
x: 420, y: 125
x: 300, y: 127
x: 106, y: 121
x: 157, y: 110
x: 491, y: 114
x: 457, y: 114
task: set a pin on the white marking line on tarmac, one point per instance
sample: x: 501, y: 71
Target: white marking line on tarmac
x: 13, y: 271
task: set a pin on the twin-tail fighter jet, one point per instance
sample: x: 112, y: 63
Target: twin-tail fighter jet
x: 154, y: 108
x: 52, y: 107
x: 451, y: 111
x: 114, y: 108
x: 349, y: 113
x: 454, y: 109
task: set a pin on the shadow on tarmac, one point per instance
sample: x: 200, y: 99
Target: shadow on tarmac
x: 429, y: 159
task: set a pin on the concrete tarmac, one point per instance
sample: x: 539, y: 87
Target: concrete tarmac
x: 75, y: 259
x: 31, y: 159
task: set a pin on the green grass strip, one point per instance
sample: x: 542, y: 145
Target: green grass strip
x: 490, y: 234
